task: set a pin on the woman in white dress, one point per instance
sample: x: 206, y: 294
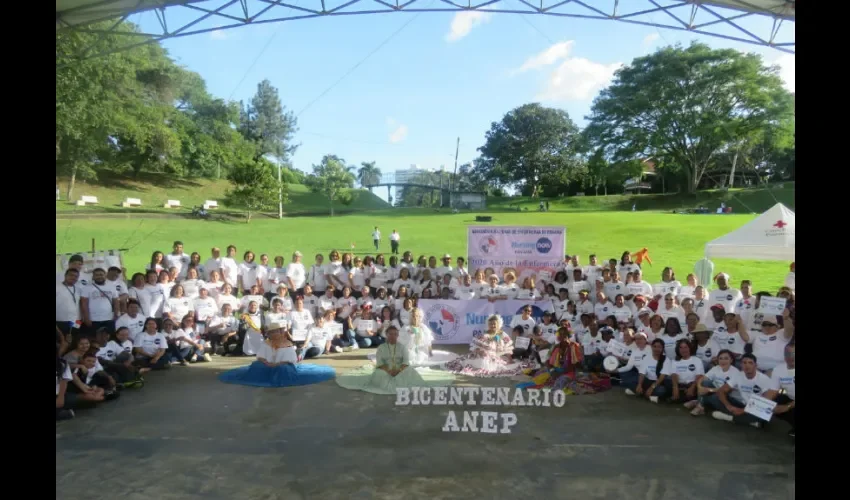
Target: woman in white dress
x: 418, y: 338
x: 490, y: 355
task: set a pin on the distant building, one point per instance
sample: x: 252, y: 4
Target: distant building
x: 637, y: 184
x: 408, y: 175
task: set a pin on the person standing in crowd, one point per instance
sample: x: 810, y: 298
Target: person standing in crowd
x: 394, y: 239
x: 376, y: 238
x: 213, y: 263
x: 748, y: 382
x: 296, y: 275
x: 230, y: 269
x: 68, y: 296
x: 178, y: 259
x: 76, y: 263
x: 98, y: 304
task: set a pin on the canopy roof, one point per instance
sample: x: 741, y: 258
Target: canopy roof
x: 770, y: 236
x: 728, y: 19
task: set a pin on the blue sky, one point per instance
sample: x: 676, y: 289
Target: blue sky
x: 442, y: 76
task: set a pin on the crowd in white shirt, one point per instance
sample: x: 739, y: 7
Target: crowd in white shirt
x: 183, y: 311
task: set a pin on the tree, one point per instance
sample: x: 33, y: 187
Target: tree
x: 255, y: 188
x: 268, y: 124
x: 368, y: 175
x: 531, y: 144
x: 686, y: 105
x: 333, y: 179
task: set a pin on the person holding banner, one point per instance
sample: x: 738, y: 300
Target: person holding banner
x: 769, y: 344
x: 277, y: 365
x: 490, y: 355
x: 749, y: 382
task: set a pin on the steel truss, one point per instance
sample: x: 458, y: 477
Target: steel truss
x: 697, y: 16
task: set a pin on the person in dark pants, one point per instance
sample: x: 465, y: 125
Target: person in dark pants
x: 376, y: 238
x: 394, y: 239
x: 785, y: 377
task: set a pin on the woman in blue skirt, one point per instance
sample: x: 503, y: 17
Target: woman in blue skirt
x: 277, y: 365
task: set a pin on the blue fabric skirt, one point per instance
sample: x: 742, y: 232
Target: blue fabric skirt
x: 259, y: 375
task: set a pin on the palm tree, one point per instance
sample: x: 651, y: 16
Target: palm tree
x: 368, y: 175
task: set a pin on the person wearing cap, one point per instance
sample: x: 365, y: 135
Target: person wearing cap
x: 769, y: 344
x: 706, y: 347
x: 748, y: 382
x: 296, y: 275
x: 578, y: 284
x: 583, y: 304
x: 444, y: 268
x: 644, y: 325
x: 724, y: 295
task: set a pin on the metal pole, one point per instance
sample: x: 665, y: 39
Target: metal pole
x: 279, y: 194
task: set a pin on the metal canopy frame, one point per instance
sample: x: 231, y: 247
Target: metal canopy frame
x: 697, y: 16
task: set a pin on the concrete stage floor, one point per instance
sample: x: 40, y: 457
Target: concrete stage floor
x: 186, y: 436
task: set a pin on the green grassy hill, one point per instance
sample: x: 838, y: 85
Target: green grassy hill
x: 741, y: 200
x: 155, y: 189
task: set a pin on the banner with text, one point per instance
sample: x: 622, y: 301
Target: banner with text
x: 456, y: 321
x: 527, y: 250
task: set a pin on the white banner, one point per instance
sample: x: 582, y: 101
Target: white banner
x: 527, y: 250
x: 457, y: 321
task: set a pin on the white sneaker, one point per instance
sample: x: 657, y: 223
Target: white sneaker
x: 654, y: 399
x: 630, y: 392
x: 719, y: 415
x: 336, y: 348
x: 757, y: 425
x: 207, y: 357
x: 194, y: 358
x: 354, y: 347
x: 691, y: 404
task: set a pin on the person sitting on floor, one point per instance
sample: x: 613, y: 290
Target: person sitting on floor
x: 786, y: 378
x: 748, y: 382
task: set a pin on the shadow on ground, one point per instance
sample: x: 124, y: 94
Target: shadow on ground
x: 186, y: 435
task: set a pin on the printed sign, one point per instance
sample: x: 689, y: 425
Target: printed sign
x: 458, y: 321
x: 759, y: 407
x: 527, y: 250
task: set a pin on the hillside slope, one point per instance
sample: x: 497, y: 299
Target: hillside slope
x: 154, y: 189
x: 741, y: 200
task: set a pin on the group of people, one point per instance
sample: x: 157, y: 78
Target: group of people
x: 711, y: 350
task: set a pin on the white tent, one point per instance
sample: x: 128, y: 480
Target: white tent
x: 769, y: 237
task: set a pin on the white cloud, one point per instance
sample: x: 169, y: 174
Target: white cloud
x: 548, y: 57
x: 650, y: 39
x: 786, y: 63
x: 463, y: 22
x: 398, y: 131
x: 577, y: 79
x: 218, y: 35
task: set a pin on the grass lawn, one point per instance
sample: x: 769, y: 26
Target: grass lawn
x: 674, y: 240
x: 155, y: 189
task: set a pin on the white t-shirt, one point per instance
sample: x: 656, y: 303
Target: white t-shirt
x: 228, y: 299
x: 319, y: 336
x: 100, y: 299
x: 592, y: 344
x: 83, y: 279
x: 493, y: 291
x: 150, y: 344
x: 181, y: 262
x: 670, y: 344
x: 134, y: 325
x: 636, y: 357
x: 395, y: 237
x: 376, y: 235
x: 335, y: 270
x: 248, y: 271
x: 757, y: 385
x: 686, y: 369
x: 790, y: 280
x: 68, y: 302
x: 119, y: 285
x: 442, y: 271
x: 577, y: 286
x: 191, y: 287
x: 296, y: 272
x: 113, y: 349
x: 465, y: 292
x: 363, y: 325
x: 301, y: 321
x: 648, y: 367
x: 526, y: 324
x: 229, y: 270
x: 156, y: 295
x: 281, y: 318
x: 204, y: 308
x: 786, y: 378
x: 178, y: 308
x: 769, y: 350
x: 665, y: 287
x: 346, y: 306
x: 358, y: 278
x: 727, y: 298
x: 614, y: 288
x: 510, y: 291
x: 211, y: 265
x: 718, y: 377
x: 178, y: 335
x: 603, y: 310
x: 674, y: 312
x: 726, y: 340
x: 685, y: 292
x: 316, y: 278
x: 642, y: 288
